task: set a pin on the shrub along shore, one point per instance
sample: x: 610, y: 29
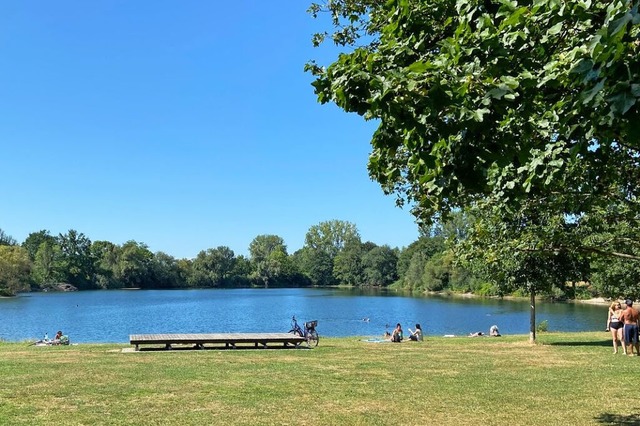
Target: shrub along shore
x: 566, y: 378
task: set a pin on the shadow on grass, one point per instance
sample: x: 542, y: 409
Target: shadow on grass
x: 618, y: 419
x: 578, y: 343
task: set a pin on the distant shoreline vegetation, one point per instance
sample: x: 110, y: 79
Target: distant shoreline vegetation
x: 333, y: 255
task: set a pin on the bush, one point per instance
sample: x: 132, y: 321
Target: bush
x: 488, y: 289
x: 543, y: 326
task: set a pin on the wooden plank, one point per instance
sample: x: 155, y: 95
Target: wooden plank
x: 228, y: 339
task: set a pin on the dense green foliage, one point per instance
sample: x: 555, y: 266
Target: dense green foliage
x: 430, y: 264
x: 508, y: 100
x: 522, y: 114
x: 332, y: 255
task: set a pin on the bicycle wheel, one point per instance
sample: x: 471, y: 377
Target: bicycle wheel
x: 295, y: 332
x: 313, y: 338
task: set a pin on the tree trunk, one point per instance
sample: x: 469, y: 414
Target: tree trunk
x: 532, y: 318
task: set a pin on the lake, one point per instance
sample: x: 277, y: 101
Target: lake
x: 110, y: 316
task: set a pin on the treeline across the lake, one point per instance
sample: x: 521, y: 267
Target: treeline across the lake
x: 333, y: 254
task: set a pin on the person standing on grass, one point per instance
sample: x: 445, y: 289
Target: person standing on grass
x: 631, y: 319
x: 615, y: 325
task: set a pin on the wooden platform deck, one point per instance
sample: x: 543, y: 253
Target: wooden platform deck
x: 227, y: 340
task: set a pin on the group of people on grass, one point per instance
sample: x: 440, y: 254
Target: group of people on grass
x: 397, y: 334
x: 624, y: 324
x: 59, y: 339
x: 417, y: 336
x: 493, y: 332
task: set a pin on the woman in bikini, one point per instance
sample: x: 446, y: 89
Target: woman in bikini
x: 615, y: 326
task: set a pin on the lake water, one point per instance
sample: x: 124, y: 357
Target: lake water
x: 111, y: 316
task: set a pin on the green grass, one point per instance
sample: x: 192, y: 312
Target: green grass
x: 567, y: 378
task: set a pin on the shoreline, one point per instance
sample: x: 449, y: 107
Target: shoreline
x: 592, y: 301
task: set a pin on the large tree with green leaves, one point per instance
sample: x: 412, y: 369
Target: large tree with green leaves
x: 213, y: 266
x: 507, y: 100
x: 14, y: 269
x: 269, y: 258
x: 322, y: 244
x: 527, y: 106
x: 76, y: 260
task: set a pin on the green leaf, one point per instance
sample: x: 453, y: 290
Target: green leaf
x: 418, y: 67
x: 478, y: 114
x: 498, y: 92
x: 622, y: 102
x: 585, y: 4
x: 582, y: 67
x: 619, y: 24
x: 555, y: 29
x: 510, y: 81
x: 515, y: 17
x: 589, y: 94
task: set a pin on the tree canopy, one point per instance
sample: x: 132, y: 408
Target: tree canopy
x: 528, y: 105
x: 522, y: 113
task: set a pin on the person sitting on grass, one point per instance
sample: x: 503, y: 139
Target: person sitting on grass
x: 494, y: 332
x: 416, y: 335
x: 396, y: 336
x: 60, y: 339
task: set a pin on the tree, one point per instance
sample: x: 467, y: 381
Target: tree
x: 166, y: 271
x: 426, y: 246
x: 379, y: 266
x: 106, y: 256
x: 76, y: 259
x: 347, y: 265
x: 316, y: 265
x: 47, y: 264
x: 323, y: 242
x: 514, y: 254
x: 214, y: 266
x: 331, y: 236
x: 507, y: 101
x: 267, y: 256
x: 134, y: 268
x: 14, y: 269
x: 35, y: 240
x: 6, y: 240
x: 46, y: 257
x: 241, y: 273
x: 521, y: 107
x: 413, y: 275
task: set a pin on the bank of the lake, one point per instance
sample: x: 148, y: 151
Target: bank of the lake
x: 542, y: 299
x: 567, y: 378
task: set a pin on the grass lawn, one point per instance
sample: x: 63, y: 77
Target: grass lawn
x: 565, y: 379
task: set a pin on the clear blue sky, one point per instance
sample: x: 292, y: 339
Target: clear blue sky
x: 182, y: 125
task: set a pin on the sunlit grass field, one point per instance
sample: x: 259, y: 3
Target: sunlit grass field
x: 565, y: 379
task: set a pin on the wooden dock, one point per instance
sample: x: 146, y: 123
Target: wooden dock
x: 226, y: 340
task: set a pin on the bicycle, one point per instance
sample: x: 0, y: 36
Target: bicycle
x: 309, y: 332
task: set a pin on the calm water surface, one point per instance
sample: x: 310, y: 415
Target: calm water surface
x: 110, y: 316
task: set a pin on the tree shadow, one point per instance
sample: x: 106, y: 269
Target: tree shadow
x: 618, y: 419
x: 586, y: 343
